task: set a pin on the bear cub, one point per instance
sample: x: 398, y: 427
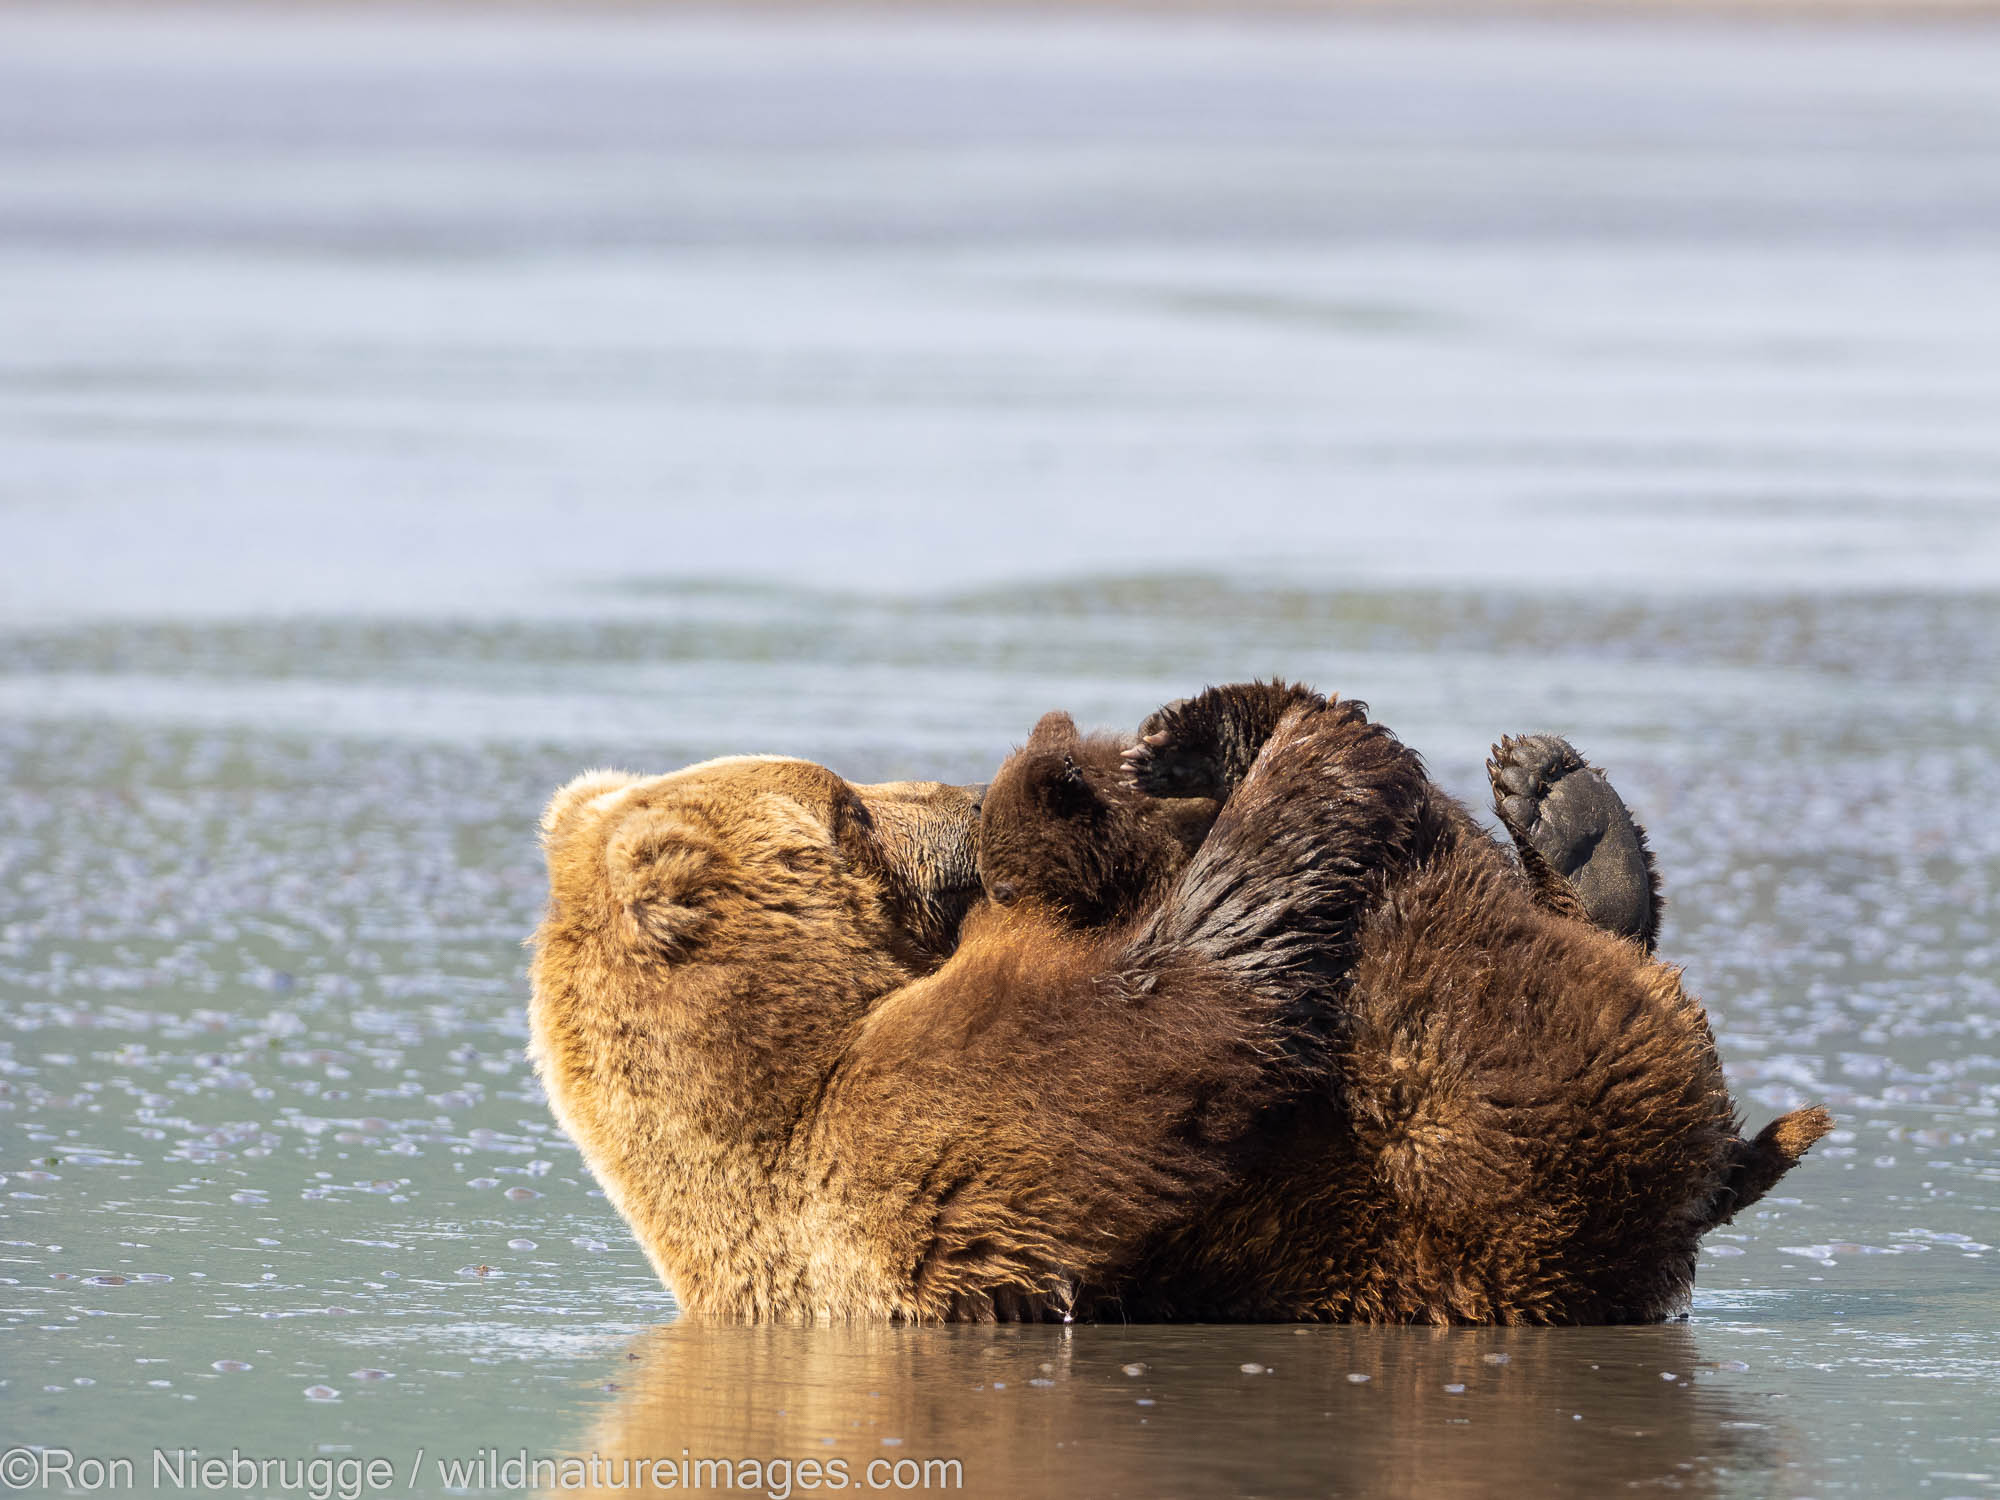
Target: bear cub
x: 1094, y: 828
x: 1064, y: 828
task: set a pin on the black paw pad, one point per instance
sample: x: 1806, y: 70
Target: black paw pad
x: 1567, y: 812
x: 1526, y: 771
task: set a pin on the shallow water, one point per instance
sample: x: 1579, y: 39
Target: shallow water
x: 397, y: 418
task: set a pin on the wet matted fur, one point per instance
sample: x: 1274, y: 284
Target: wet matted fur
x: 1525, y: 1118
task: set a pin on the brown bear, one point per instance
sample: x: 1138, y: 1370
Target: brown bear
x: 744, y: 1014
x: 749, y: 1013
x: 1524, y: 1119
x: 1064, y: 827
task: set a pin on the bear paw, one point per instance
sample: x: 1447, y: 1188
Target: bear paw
x: 1177, y: 754
x: 1526, y: 774
x: 1558, y: 807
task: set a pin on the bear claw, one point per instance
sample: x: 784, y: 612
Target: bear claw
x: 1164, y: 764
x: 1523, y: 771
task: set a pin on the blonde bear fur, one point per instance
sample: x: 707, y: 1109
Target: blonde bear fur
x: 739, y: 1016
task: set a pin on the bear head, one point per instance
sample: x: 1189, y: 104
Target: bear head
x: 1063, y: 828
x: 711, y: 938
x: 695, y: 864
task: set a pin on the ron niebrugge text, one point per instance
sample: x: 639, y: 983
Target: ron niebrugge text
x: 349, y: 1478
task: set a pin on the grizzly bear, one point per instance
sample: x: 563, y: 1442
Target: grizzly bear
x: 744, y: 1013
x: 1064, y: 826
x: 821, y: 1079
x: 1524, y: 1119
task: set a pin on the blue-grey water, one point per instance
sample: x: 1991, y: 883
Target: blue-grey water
x: 402, y: 411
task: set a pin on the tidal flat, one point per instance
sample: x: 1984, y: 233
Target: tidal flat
x: 402, y: 412
x: 279, y: 1175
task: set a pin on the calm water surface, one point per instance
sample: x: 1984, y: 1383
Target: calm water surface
x: 400, y: 415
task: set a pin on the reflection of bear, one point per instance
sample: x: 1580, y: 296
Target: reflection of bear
x: 1527, y: 1120
x: 1029, y: 1412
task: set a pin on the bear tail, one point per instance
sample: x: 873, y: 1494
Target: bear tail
x: 1756, y: 1165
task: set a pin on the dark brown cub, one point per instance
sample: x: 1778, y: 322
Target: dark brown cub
x: 1062, y: 828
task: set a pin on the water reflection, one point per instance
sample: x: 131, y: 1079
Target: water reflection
x: 1150, y: 1411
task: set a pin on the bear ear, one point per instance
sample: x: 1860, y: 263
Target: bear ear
x: 663, y: 873
x: 576, y: 793
x: 1054, y: 730
x: 1065, y: 789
